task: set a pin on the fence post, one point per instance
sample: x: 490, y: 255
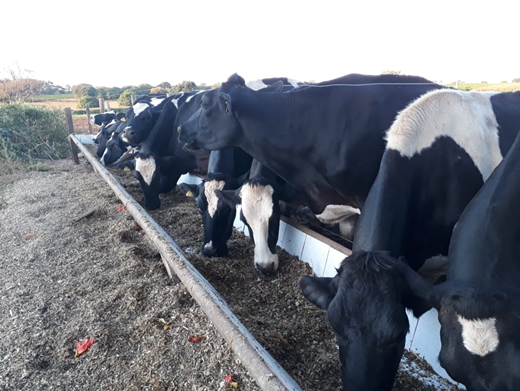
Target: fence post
x: 70, y: 124
x: 101, y: 105
x: 108, y: 105
x: 132, y: 98
x: 87, y: 108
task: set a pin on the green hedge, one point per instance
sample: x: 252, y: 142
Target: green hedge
x: 30, y: 133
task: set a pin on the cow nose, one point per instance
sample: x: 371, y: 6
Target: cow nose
x: 268, y: 270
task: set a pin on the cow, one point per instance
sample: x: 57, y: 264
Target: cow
x: 440, y: 150
x: 326, y: 141
x: 162, y: 159
x: 227, y: 170
x: 105, y: 132
x: 260, y: 195
x: 145, y: 114
x: 479, y: 304
x: 103, y: 118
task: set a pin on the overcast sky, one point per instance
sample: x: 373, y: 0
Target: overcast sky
x: 117, y: 43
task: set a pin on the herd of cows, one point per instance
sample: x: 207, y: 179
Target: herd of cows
x: 426, y: 178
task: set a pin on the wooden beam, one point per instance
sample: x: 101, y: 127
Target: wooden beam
x: 266, y: 371
x: 70, y: 124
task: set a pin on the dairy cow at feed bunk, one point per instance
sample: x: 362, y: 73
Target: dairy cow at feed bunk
x: 325, y: 141
x: 227, y: 170
x: 162, y: 159
x: 440, y: 150
x: 105, y: 132
x: 479, y: 304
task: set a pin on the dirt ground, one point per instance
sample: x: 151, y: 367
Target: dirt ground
x: 65, y: 277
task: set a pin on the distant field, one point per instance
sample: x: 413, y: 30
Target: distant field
x: 502, y: 87
x: 65, y: 100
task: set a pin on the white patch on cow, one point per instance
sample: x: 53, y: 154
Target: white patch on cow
x: 139, y: 108
x: 211, y: 197
x: 434, y: 267
x: 125, y: 139
x: 293, y: 82
x: 209, y: 245
x: 465, y: 116
x: 256, y: 84
x: 334, y: 214
x: 111, y: 123
x: 103, y: 157
x: 346, y: 228
x: 257, y: 207
x: 479, y: 336
x: 156, y: 101
x: 146, y: 167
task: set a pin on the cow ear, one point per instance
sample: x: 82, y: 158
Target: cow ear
x: 419, y: 287
x: 318, y: 290
x: 189, y: 189
x: 226, y: 100
x: 229, y: 197
x: 275, y: 87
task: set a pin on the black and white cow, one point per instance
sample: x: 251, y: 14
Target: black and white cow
x: 162, y: 158
x: 105, y: 132
x: 103, y: 118
x: 326, y: 141
x: 479, y: 304
x: 146, y: 113
x: 260, y: 197
x: 439, y: 152
x: 227, y: 170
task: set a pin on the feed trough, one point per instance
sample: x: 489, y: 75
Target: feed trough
x: 322, y: 254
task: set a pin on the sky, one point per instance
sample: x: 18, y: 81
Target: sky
x: 117, y: 43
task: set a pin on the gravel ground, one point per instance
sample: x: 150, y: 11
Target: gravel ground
x: 63, y: 280
x: 65, y: 277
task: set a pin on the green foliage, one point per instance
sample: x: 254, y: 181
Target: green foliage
x: 185, y: 86
x: 158, y: 90
x: 164, y: 84
x: 84, y: 89
x: 92, y: 102
x: 388, y: 72
x: 125, y: 99
x: 30, y: 133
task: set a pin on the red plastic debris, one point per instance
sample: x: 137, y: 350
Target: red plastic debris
x: 196, y: 339
x: 122, y: 207
x: 82, y: 346
x: 230, y: 382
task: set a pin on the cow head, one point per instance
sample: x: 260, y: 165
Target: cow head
x: 217, y: 215
x: 261, y: 214
x: 140, y: 123
x: 115, y: 148
x: 214, y: 126
x: 365, y: 304
x: 479, y: 331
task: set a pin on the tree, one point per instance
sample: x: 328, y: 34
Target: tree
x: 517, y: 80
x: 84, y: 89
x: 158, y: 90
x: 19, y: 86
x: 391, y: 72
x: 165, y: 84
x: 126, y: 98
x: 185, y: 86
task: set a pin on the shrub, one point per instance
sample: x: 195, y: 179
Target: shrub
x: 84, y: 89
x: 30, y: 133
x: 92, y: 102
x: 125, y: 99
